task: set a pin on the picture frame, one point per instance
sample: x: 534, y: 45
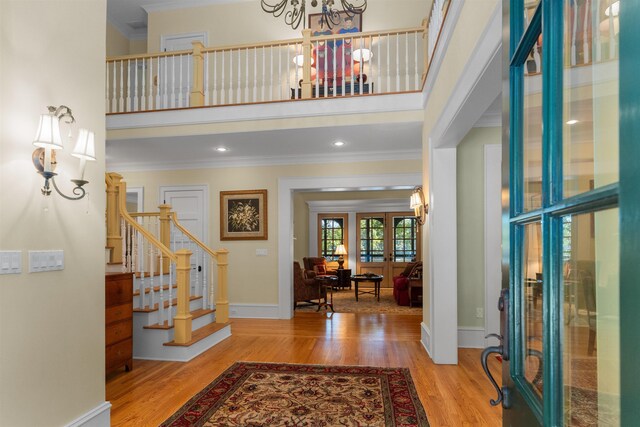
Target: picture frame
x: 243, y: 215
x: 346, y: 24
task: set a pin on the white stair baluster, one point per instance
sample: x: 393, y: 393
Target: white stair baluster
x: 107, y: 103
x: 247, y: 77
x: 181, y: 87
x: 326, y: 70
x: 239, y: 90
x: 406, y: 62
x: 255, y: 75
x: 334, y: 86
x: 343, y: 71
x: 362, y: 64
x: 388, y: 65
x: 585, y: 33
x: 214, y: 101
x: 114, y: 99
x: 165, y: 77
x: 121, y: 103
x: 230, y: 76
x: 204, y: 280
x: 143, y: 91
x: 173, y: 81
x: 280, y: 88
x: 415, y: 52
x: 288, y: 65
x: 141, y: 271
x: 211, y: 296
x: 271, y: 72
x: 263, y: 75
x: 379, y: 63
x: 152, y: 282
x: 222, y: 91
x: 161, y: 308
x: 206, y: 79
x: 188, y: 87
x: 317, y: 74
x: 136, y: 104
x: 128, y: 100
x: 397, y: 62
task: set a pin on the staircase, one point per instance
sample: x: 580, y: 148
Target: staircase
x: 180, y: 308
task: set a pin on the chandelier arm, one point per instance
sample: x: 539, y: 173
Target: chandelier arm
x: 294, y: 17
x: 78, y: 190
x: 352, y: 9
x: 276, y: 10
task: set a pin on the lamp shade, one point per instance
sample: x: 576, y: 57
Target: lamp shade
x: 415, y: 200
x: 362, y: 55
x: 299, y: 60
x: 340, y: 250
x: 48, y: 134
x: 85, y: 146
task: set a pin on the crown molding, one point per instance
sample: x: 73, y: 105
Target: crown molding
x: 237, y: 162
x: 159, y: 7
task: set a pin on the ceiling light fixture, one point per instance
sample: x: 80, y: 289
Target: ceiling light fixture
x: 572, y: 122
x: 297, y: 13
x: 222, y: 149
x: 338, y: 144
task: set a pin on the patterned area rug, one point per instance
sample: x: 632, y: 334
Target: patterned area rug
x: 275, y: 394
x: 344, y: 301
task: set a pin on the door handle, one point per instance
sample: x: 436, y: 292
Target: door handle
x: 502, y: 349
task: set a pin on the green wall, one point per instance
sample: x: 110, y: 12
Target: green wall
x: 470, y: 186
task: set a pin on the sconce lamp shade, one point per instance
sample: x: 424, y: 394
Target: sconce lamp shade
x: 340, y: 250
x: 48, y: 135
x: 415, y: 201
x: 362, y: 55
x: 85, y: 146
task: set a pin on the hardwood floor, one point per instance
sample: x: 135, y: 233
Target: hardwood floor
x: 451, y: 395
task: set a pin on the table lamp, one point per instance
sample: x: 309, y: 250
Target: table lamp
x: 340, y: 250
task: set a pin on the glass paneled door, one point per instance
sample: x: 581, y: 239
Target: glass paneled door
x: 386, y: 243
x: 570, y: 338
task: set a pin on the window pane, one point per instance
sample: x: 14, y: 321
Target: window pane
x: 372, y: 239
x: 532, y: 129
x: 590, y: 130
x: 591, y: 359
x: 532, y: 306
x: 331, y: 234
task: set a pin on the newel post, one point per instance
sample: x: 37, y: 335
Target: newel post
x: 165, y: 232
x: 196, y: 98
x: 182, y: 319
x: 114, y: 237
x: 306, y: 65
x: 222, y: 299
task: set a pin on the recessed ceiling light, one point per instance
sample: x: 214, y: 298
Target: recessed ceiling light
x: 338, y: 144
x: 222, y: 149
x: 572, y: 122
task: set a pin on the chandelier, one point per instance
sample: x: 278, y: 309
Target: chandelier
x: 296, y: 13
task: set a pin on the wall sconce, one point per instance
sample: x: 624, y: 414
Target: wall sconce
x: 419, y: 206
x: 340, y: 250
x: 48, y: 140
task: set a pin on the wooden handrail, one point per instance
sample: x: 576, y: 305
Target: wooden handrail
x: 368, y: 34
x: 143, y: 214
x: 149, y: 55
x: 125, y: 215
x: 174, y: 218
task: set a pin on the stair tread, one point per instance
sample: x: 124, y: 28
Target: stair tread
x: 155, y: 288
x: 194, y: 315
x: 200, y: 334
x: 166, y: 304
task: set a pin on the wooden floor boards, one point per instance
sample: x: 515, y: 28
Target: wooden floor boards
x: 451, y: 395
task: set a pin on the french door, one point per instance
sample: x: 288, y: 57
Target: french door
x: 386, y: 242
x: 570, y: 331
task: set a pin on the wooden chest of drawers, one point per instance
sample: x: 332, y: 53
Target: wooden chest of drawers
x: 118, y: 321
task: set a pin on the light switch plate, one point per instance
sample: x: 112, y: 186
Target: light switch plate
x: 40, y: 261
x: 10, y: 262
x: 261, y: 252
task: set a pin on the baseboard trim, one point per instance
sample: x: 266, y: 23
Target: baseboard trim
x: 471, y: 337
x: 254, y: 311
x: 100, y: 416
x: 425, y: 338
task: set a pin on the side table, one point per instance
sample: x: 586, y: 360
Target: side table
x: 327, y: 283
x: 344, y: 278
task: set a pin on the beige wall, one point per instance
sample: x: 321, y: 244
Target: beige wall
x: 301, y: 211
x: 470, y: 210
x: 244, y: 265
x: 51, y: 324
x: 117, y: 43
x: 245, y: 22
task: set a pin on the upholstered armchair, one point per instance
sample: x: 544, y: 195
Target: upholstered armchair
x: 401, y: 288
x: 306, y: 290
x: 317, y: 266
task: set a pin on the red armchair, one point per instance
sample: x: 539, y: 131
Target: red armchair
x: 306, y: 290
x: 401, y: 283
x: 317, y: 266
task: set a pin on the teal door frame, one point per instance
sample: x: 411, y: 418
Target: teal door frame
x: 526, y: 407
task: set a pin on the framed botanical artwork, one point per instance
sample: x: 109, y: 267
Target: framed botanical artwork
x: 243, y: 215
x: 341, y: 23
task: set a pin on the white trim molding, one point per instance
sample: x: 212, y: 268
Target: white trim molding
x: 471, y: 337
x: 100, y: 416
x: 492, y: 239
x: 253, y: 311
x: 425, y: 338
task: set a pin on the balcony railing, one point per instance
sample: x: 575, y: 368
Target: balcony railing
x: 333, y: 66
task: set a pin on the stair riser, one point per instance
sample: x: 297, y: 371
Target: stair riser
x: 150, y: 346
x: 156, y: 297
